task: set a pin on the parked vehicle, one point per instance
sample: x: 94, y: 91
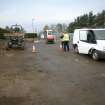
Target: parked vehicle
x: 15, y: 39
x: 90, y: 41
x: 50, y: 37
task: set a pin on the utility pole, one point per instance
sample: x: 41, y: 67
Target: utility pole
x: 33, y: 28
x: 33, y: 25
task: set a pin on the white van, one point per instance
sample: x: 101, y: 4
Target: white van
x: 90, y: 41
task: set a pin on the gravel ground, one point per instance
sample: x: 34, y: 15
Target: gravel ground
x: 50, y: 77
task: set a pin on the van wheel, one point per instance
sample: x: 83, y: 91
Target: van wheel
x: 76, y: 49
x: 95, y: 55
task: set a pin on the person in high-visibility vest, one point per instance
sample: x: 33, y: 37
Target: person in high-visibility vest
x: 66, y: 39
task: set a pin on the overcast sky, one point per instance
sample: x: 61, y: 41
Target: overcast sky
x: 45, y: 11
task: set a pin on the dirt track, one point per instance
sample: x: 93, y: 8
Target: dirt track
x: 50, y: 77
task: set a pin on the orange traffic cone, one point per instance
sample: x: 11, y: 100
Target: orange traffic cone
x: 33, y: 48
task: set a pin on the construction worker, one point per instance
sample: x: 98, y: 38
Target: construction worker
x: 66, y: 39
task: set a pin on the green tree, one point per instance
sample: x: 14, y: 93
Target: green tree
x: 7, y: 28
x: 46, y: 27
x: 71, y: 27
x: 91, y: 19
x: 100, y: 19
x: 84, y: 21
x: 88, y: 20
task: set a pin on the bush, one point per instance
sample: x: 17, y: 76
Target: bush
x: 2, y: 36
x: 30, y: 35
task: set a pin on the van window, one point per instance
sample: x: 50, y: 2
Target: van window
x: 91, y: 37
x: 83, y: 35
x: 100, y: 34
x: 49, y: 32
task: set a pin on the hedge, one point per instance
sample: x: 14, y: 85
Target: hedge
x: 2, y: 36
x: 30, y: 35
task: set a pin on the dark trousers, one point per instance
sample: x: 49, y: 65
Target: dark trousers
x: 66, y: 45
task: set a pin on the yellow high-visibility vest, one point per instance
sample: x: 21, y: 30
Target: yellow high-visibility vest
x: 66, y: 37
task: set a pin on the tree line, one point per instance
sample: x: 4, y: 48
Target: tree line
x: 89, y: 20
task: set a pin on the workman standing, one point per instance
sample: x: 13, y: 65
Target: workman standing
x: 66, y: 39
